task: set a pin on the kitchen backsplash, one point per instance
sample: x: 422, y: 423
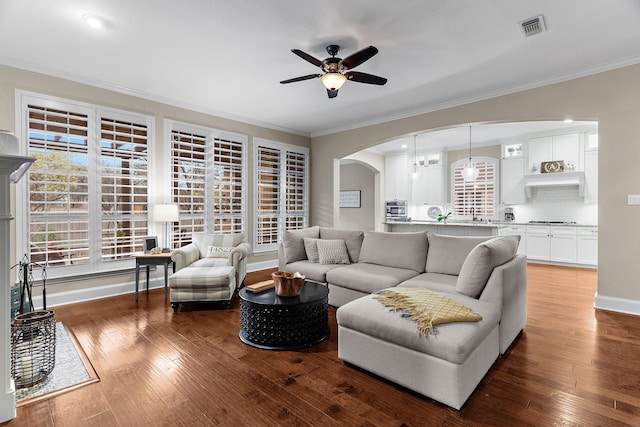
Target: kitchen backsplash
x: 556, y: 204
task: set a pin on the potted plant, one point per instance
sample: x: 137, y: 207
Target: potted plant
x: 443, y: 218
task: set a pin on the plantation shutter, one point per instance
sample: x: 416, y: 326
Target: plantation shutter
x: 228, y: 159
x: 282, y: 192
x: 268, y: 195
x: 477, y: 198
x: 189, y: 170
x: 123, y: 192
x: 296, y: 191
x: 58, y: 213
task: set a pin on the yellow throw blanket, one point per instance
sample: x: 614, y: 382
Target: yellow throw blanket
x: 426, y: 308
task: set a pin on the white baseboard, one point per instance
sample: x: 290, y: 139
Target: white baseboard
x: 80, y: 295
x: 262, y: 265
x: 620, y: 305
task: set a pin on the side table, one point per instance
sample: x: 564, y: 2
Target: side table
x: 271, y: 322
x: 148, y: 260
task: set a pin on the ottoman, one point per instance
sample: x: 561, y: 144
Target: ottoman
x: 446, y: 365
x: 202, y: 284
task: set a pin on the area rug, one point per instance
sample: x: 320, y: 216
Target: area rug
x: 71, y: 371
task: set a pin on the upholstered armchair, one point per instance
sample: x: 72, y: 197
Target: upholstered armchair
x: 214, y: 250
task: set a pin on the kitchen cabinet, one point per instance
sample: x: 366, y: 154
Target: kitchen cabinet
x: 552, y: 243
x: 563, y: 245
x: 397, y: 177
x: 428, y: 189
x: 516, y: 230
x: 588, y: 245
x: 537, y: 242
x: 558, y: 147
x: 512, y: 181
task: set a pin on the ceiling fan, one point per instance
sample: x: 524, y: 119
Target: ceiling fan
x: 337, y: 70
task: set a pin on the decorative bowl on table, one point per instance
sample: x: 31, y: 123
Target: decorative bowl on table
x: 287, y: 284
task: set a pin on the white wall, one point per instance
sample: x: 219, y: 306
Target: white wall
x: 355, y: 176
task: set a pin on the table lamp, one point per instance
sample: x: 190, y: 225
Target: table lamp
x: 166, y: 213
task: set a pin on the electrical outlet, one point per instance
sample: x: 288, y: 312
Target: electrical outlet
x: 633, y: 199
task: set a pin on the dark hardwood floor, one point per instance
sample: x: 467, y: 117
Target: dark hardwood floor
x: 573, y: 365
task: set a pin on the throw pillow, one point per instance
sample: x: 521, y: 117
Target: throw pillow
x: 218, y: 251
x: 353, y: 239
x: 293, y: 244
x: 311, y: 248
x: 332, y: 252
x: 447, y: 253
x: 401, y: 250
x: 482, y: 260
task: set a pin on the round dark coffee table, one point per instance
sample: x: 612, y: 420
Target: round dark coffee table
x: 271, y: 322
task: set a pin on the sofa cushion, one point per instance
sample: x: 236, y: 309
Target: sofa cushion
x: 210, y: 262
x: 353, y: 239
x: 368, y: 278
x: 293, y: 244
x: 332, y: 251
x: 203, y: 240
x: 401, y: 250
x: 450, y: 341
x: 311, y: 249
x: 447, y: 253
x: 444, y: 283
x: 312, y: 271
x: 482, y: 260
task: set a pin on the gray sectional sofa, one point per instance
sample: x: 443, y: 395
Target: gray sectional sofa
x: 483, y: 274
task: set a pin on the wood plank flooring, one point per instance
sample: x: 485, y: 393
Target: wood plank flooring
x: 573, y: 365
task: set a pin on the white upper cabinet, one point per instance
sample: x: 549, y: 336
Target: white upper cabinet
x: 550, y: 148
x: 512, y: 190
x: 429, y: 187
x: 397, y: 184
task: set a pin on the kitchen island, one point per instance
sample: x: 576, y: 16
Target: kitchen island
x: 451, y: 228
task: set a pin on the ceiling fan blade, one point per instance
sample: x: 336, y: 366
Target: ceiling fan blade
x: 301, y: 78
x: 365, y: 78
x: 308, y: 58
x: 358, y: 58
x: 332, y: 93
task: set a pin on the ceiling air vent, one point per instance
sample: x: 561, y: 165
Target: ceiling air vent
x: 532, y: 26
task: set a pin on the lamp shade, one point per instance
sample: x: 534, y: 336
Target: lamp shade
x: 165, y: 213
x: 333, y: 81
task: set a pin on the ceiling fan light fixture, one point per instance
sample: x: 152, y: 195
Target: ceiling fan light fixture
x: 333, y: 81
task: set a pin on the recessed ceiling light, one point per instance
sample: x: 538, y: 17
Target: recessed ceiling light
x: 568, y: 120
x: 403, y: 146
x: 94, y: 20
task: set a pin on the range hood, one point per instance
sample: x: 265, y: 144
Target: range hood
x: 575, y: 179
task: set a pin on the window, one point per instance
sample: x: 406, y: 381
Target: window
x: 86, y: 194
x: 208, y: 181
x: 281, y: 189
x: 477, y: 198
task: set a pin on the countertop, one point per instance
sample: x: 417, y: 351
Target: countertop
x: 494, y: 224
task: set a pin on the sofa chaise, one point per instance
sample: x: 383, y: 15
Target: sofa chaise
x: 483, y: 274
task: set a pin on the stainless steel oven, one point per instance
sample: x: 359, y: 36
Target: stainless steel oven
x: 396, y: 210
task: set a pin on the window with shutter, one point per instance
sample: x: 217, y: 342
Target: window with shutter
x: 86, y: 194
x: 188, y: 183
x: 123, y: 187
x: 281, y: 188
x: 208, y: 181
x: 477, y: 198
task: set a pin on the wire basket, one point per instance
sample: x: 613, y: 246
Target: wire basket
x: 33, y: 347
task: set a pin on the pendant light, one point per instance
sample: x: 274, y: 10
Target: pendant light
x: 414, y: 167
x: 470, y: 173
